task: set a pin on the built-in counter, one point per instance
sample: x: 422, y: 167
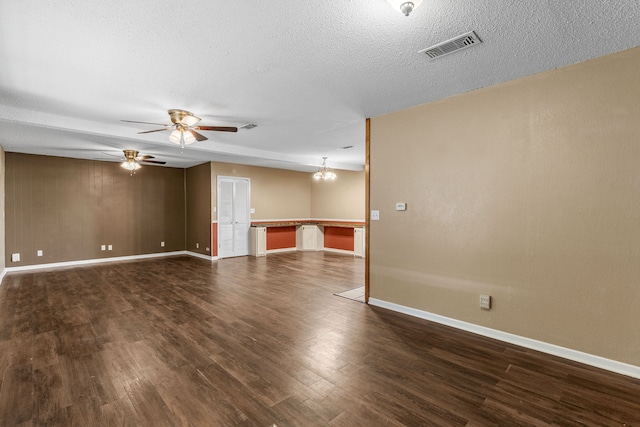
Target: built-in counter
x: 339, y: 236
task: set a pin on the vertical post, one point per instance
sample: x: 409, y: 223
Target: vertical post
x: 367, y: 202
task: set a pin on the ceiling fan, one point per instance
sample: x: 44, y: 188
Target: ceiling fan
x: 132, y: 160
x: 184, y: 129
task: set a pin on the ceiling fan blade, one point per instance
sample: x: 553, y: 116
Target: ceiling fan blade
x: 145, y: 157
x: 145, y: 123
x: 110, y: 154
x: 155, y: 130
x: 154, y: 161
x: 217, y: 128
x: 197, y: 135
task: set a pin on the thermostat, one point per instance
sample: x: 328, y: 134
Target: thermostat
x: 401, y: 206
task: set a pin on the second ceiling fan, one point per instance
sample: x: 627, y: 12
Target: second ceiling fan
x: 184, y: 129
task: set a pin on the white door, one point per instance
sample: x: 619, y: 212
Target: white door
x: 234, y: 217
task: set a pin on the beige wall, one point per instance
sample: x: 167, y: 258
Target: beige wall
x: 281, y: 194
x: 69, y: 208
x: 528, y: 191
x: 2, y: 193
x: 275, y: 193
x: 198, y: 205
x: 339, y: 199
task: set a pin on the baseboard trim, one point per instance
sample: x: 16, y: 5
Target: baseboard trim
x: 94, y: 261
x: 339, y: 251
x: 197, y: 255
x: 566, y: 353
x: 275, y: 251
x: 2, y: 274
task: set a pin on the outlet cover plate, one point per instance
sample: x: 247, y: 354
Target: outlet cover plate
x: 485, y: 302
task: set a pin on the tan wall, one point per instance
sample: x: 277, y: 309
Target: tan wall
x: 69, y: 207
x: 275, y: 193
x: 198, y: 187
x: 339, y: 199
x: 528, y: 191
x: 2, y: 225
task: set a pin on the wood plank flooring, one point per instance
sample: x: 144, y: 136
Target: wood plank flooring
x: 264, y: 342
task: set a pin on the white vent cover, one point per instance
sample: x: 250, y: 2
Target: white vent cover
x: 455, y: 44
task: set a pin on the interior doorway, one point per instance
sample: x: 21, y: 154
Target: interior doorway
x: 234, y: 216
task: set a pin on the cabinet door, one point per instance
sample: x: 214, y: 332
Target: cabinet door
x: 358, y: 242
x: 258, y: 241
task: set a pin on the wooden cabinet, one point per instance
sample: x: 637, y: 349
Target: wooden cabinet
x: 309, y: 238
x: 258, y: 241
x: 358, y: 242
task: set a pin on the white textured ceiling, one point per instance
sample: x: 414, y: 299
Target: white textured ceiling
x: 307, y: 72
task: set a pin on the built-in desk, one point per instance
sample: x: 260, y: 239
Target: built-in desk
x: 307, y: 235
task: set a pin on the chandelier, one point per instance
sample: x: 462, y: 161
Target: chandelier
x: 324, y: 172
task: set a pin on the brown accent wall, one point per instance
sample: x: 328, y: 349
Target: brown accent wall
x: 528, y: 191
x: 198, y: 187
x: 68, y: 208
x: 275, y: 193
x: 342, y: 199
x: 2, y: 205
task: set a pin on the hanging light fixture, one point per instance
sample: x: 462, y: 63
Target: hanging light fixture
x: 182, y: 137
x: 324, y: 172
x: 405, y: 6
x: 131, y: 165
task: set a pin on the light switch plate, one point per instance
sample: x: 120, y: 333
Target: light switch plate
x: 15, y: 257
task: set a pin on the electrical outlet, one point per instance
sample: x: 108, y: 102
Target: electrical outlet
x: 162, y: 244
x: 103, y: 247
x: 197, y: 245
x: 485, y: 302
x: 110, y: 247
x: 15, y: 257
x: 375, y: 215
x: 39, y: 253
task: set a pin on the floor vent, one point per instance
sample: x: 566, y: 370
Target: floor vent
x: 455, y: 44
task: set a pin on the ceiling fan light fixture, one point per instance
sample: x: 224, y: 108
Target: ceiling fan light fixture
x: 324, y: 173
x: 405, y: 6
x: 130, y: 165
x: 182, y: 137
x: 190, y: 120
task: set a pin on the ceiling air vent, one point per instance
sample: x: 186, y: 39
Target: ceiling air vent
x: 461, y: 42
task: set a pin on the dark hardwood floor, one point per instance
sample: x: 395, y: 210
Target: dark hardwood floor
x: 263, y: 342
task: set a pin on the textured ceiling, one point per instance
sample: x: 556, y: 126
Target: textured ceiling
x: 307, y: 72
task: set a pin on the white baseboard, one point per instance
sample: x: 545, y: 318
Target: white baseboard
x: 566, y: 353
x: 197, y: 255
x: 97, y: 261
x: 4, y: 271
x: 275, y: 251
x: 338, y: 251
